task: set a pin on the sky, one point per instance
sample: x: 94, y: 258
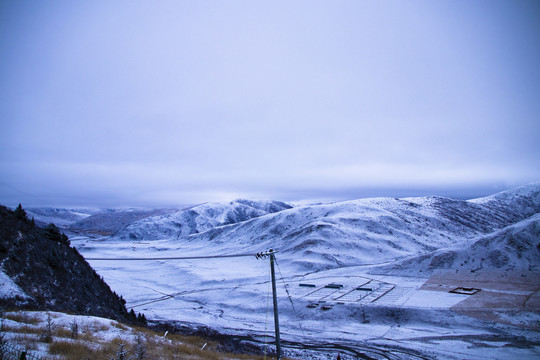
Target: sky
x: 164, y: 103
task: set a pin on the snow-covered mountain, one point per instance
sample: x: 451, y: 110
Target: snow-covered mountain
x: 359, y: 232
x: 91, y: 220
x: 199, y: 219
x: 59, y: 217
x: 516, y: 247
x: 109, y: 221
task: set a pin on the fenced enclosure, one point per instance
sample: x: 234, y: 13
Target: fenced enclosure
x: 12, y: 352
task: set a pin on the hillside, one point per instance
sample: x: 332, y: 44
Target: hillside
x: 41, y: 271
x: 91, y: 220
x: 58, y: 216
x: 513, y: 248
x: 359, y: 232
x: 76, y: 337
x: 199, y: 219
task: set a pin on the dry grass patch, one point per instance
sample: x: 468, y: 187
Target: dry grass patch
x: 87, y: 336
x: 62, y: 333
x: 72, y: 350
x: 94, y: 327
x: 22, y: 329
x: 27, y: 342
x: 23, y: 317
x: 120, y: 326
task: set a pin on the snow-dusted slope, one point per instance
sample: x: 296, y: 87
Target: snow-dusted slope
x: 366, y: 231
x: 110, y: 221
x: 59, y: 217
x: 199, y: 219
x: 516, y: 247
x: 8, y: 288
x: 359, y: 232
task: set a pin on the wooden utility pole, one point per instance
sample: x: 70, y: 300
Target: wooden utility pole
x: 276, y: 317
x: 271, y: 254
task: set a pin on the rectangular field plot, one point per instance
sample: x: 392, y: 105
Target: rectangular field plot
x: 377, y: 294
x: 359, y: 292
x: 395, y: 297
x: 366, y: 292
x: 322, y: 293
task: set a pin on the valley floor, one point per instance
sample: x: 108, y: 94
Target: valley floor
x: 490, y: 315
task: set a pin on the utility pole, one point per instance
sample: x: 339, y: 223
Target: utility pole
x: 270, y: 254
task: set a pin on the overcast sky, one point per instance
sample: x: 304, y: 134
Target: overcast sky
x: 163, y: 103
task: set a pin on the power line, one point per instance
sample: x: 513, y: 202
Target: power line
x: 174, y: 257
x: 24, y: 192
x: 270, y: 254
x: 290, y: 299
x: 259, y: 255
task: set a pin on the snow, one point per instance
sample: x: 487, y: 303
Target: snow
x: 8, y: 288
x: 434, y: 299
x: 409, y: 252
x: 531, y: 190
x: 60, y: 217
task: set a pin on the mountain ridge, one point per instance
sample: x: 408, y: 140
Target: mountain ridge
x: 382, y: 229
x: 199, y: 218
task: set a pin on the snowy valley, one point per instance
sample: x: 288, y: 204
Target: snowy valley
x: 380, y: 278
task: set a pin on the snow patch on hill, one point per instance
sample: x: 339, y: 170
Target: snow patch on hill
x: 8, y: 288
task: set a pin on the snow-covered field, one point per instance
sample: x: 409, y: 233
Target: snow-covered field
x: 368, y: 277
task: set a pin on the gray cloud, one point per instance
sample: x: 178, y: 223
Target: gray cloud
x: 127, y: 103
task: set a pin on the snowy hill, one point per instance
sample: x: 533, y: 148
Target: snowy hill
x: 199, y: 219
x: 59, y: 217
x: 359, y: 232
x: 91, y: 220
x: 516, y: 247
x: 109, y: 221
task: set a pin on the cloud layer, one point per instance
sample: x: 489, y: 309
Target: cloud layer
x: 175, y: 102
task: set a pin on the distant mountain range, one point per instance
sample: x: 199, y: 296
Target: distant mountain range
x: 90, y: 220
x: 366, y: 231
x: 432, y: 232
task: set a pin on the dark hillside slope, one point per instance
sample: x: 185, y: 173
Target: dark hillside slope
x: 53, y: 275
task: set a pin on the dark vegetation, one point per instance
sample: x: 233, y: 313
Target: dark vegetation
x: 52, y: 274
